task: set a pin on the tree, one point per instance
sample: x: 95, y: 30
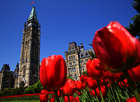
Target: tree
x: 134, y: 27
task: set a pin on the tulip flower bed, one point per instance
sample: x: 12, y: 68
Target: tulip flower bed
x: 20, y: 98
x: 111, y: 77
x: 115, y: 88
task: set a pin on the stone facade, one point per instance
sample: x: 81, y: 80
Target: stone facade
x: 30, y: 52
x: 76, y: 58
x: 6, y: 77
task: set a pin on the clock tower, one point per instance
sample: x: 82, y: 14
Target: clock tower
x: 30, y: 52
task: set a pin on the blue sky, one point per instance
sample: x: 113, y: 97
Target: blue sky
x: 62, y: 21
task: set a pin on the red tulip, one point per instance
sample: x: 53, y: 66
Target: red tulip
x: 112, y: 76
x: 115, y: 47
x: 44, y: 91
x: 53, y: 72
x: 101, y: 82
x: 74, y: 99
x: 94, y: 68
x: 134, y: 73
x: 59, y: 93
x: 132, y: 99
x: 78, y: 85
x: 103, y: 90
x: 66, y: 99
x: 71, y: 99
x: 51, y: 92
x: 123, y: 83
x: 69, y: 87
x: 43, y: 96
x: 77, y: 99
x: 92, y: 92
x: 138, y: 51
x: 78, y: 92
x: 91, y: 83
x: 52, y: 100
x: 83, y: 79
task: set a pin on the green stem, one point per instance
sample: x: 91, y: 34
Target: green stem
x: 56, y: 96
x: 90, y: 98
x: 96, y: 96
x: 137, y: 95
x: 111, y: 90
x: 117, y: 96
x: 132, y: 86
x: 102, y: 98
x: 68, y: 98
x: 116, y: 88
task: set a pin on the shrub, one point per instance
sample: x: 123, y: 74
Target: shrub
x: 11, y: 91
x: 35, y: 88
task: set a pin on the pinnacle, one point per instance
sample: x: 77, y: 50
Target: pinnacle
x: 33, y: 14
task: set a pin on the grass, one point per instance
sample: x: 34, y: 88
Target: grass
x: 22, y: 99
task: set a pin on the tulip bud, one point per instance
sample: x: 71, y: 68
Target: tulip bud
x: 115, y: 47
x: 134, y: 73
x: 103, y: 90
x: 53, y: 72
x: 69, y: 87
x: 43, y: 96
x: 132, y: 99
x: 78, y: 85
x: 91, y: 83
x: 94, y: 68
x: 66, y: 99
x: 83, y: 79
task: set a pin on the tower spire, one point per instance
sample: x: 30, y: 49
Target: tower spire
x: 32, y: 15
x: 30, y: 52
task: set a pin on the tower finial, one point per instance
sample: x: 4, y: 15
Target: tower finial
x: 33, y: 2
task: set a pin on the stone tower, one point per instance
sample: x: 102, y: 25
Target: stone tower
x: 30, y: 52
x: 76, y: 59
x: 6, y: 77
x: 72, y: 60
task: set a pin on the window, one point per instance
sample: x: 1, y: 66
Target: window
x: 73, y: 70
x: 69, y: 57
x: 74, y: 62
x: 75, y: 77
x: 86, y: 60
x: 81, y: 55
x: 70, y: 63
x: 72, y: 57
x: 86, y: 54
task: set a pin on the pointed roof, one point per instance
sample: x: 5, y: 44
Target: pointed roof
x: 33, y: 14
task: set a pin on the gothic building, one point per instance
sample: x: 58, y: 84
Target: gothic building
x: 26, y: 72
x: 76, y: 58
x: 30, y: 52
x: 6, y: 77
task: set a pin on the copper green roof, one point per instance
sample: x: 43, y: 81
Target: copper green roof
x: 33, y: 14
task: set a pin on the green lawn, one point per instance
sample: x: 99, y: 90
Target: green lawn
x: 22, y: 99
